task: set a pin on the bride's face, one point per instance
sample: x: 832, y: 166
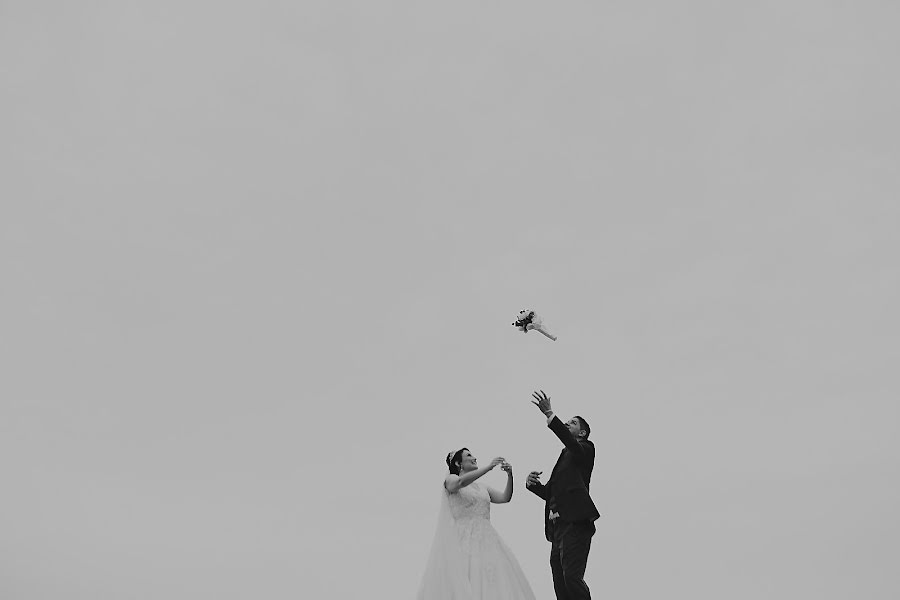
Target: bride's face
x: 468, y: 462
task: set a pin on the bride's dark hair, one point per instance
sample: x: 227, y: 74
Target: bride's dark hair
x: 454, y: 461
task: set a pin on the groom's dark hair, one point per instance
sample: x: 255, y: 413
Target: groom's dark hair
x: 584, y: 427
x: 453, y: 459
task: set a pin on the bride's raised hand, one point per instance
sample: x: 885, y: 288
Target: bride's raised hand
x: 497, y: 461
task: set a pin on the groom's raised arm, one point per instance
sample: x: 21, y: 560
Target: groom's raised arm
x: 542, y: 401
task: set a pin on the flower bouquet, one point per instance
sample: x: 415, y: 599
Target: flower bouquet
x: 528, y: 320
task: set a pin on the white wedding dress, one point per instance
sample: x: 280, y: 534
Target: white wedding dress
x: 468, y: 560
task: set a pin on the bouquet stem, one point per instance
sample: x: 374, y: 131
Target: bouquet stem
x: 547, y: 333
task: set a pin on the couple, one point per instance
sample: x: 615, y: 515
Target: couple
x: 469, y: 561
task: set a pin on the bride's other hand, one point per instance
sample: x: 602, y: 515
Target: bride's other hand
x: 506, y: 467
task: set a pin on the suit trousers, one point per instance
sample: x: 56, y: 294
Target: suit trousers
x: 568, y: 558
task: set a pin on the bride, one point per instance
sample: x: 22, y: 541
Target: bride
x: 468, y: 560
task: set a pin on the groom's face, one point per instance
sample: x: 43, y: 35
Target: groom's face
x: 574, y: 426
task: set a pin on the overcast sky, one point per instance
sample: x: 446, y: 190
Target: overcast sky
x: 259, y: 263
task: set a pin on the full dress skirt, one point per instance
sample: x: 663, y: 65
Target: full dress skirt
x: 468, y: 559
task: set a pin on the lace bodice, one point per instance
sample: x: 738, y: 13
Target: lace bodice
x: 471, y: 502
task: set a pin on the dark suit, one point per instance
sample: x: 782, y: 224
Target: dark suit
x: 567, y: 493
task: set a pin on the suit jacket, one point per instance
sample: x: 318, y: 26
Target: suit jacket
x: 570, y: 481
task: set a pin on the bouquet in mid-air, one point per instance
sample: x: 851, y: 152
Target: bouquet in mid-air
x: 528, y: 320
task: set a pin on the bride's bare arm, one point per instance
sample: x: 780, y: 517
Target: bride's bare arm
x: 501, y: 498
x: 454, y: 482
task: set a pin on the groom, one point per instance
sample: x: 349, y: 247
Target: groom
x: 569, y: 512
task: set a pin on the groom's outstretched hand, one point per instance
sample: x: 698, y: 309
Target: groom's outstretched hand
x: 533, y: 478
x: 543, y: 402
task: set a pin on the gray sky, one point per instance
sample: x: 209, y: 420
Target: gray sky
x: 260, y: 260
